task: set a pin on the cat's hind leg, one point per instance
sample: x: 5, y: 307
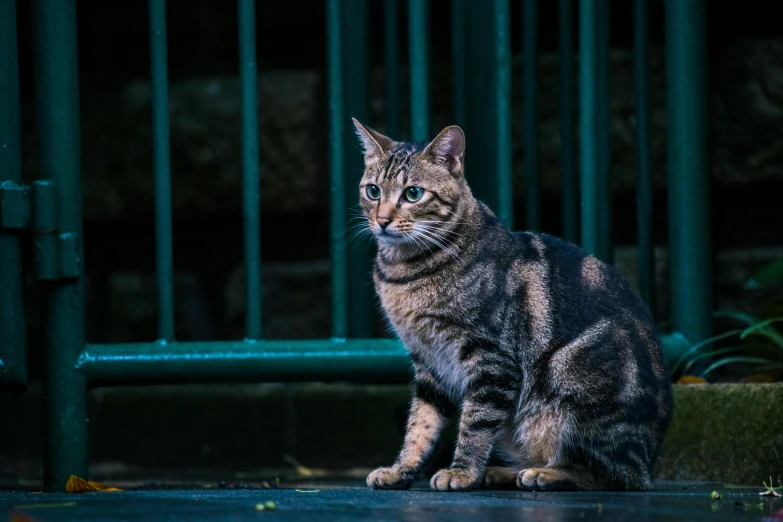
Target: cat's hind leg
x: 501, y: 477
x: 557, y: 479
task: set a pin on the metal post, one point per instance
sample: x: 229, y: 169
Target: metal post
x: 569, y: 178
x: 392, y: 68
x: 57, y: 124
x: 13, y: 359
x: 488, y: 106
x: 336, y: 170
x: 356, y: 103
x: 530, y: 99
x: 689, y: 183
x: 458, y: 59
x: 251, y: 198
x: 595, y: 129
x: 418, y: 46
x: 644, y: 206
x: 162, y: 166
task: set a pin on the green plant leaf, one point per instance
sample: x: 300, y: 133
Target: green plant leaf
x: 696, y: 347
x: 769, y: 275
x: 760, y: 325
x: 734, y: 360
x: 736, y: 315
x: 720, y: 351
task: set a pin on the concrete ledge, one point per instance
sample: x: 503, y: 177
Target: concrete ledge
x: 731, y: 433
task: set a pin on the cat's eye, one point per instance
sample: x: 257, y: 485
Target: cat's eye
x: 414, y: 194
x: 373, y: 192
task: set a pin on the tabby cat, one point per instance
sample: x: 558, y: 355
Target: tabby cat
x: 551, y: 361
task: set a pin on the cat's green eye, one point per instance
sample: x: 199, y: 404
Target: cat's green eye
x: 373, y: 192
x: 414, y: 194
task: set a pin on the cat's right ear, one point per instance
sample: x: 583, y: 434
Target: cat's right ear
x: 374, y: 143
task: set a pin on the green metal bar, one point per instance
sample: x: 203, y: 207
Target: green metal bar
x: 162, y: 166
x: 392, y: 83
x: 251, y: 198
x: 644, y: 203
x: 337, y: 170
x: 604, y: 131
x: 59, y: 159
x: 458, y: 59
x: 594, y: 139
x: 13, y: 346
x: 502, y: 100
x: 570, y: 182
x: 488, y: 105
x: 418, y: 47
x: 43, y: 224
x: 362, y: 318
x: 689, y: 182
x: 358, y: 360
x: 530, y: 99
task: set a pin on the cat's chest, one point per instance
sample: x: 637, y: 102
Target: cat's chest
x: 417, y: 318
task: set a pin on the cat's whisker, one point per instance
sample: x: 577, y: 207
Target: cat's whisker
x: 436, y: 229
x: 439, y: 241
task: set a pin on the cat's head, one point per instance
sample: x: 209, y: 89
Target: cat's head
x: 410, y: 191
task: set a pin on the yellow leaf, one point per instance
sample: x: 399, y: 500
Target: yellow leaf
x: 50, y: 505
x: 79, y: 485
x: 691, y: 379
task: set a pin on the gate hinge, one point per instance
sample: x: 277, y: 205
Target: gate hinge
x: 33, y: 208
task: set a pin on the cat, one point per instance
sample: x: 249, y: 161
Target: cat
x: 547, y: 356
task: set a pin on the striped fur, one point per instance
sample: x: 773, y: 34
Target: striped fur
x: 550, y: 360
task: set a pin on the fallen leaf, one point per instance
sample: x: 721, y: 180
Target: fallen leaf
x: 16, y: 516
x: 79, y: 485
x: 691, y: 379
x: 51, y: 505
x: 307, y: 490
x: 770, y: 491
x: 266, y: 506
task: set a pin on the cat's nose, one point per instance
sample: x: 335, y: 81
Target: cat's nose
x: 383, y: 222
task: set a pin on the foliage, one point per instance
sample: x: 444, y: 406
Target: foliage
x: 755, y: 341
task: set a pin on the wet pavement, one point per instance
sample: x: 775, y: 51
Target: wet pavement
x: 669, y: 501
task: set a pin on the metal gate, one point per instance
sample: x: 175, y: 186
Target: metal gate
x: 48, y: 211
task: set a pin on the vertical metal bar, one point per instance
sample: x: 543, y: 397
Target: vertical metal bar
x: 392, y: 83
x: 362, y: 318
x: 458, y: 59
x: 13, y: 359
x: 418, y: 46
x: 57, y: 126
x: 568, y: 162
x: 488, y: 105
x: 644, y: 205
x: 689, y: 183
x: 336, y: 170
x: 594, y: 131
x: 162, y: 166
x: 502, y: 94
x: 251, y: 198
x: 530, y: 100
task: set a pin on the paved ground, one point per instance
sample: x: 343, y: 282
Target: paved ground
x: 670, y: 501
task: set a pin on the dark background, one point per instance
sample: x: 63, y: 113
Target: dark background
x: 202, y: 38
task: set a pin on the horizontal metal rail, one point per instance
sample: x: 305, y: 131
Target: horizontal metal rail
x: 355, y: 360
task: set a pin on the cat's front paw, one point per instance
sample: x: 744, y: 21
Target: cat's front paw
x: 455, y: 479
x: 389, y: 478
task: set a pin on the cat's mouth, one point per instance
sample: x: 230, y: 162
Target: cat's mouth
x: 391, y: 237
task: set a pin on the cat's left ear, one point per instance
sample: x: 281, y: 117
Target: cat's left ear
x: 448, y: 149
x: 374, y: 143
